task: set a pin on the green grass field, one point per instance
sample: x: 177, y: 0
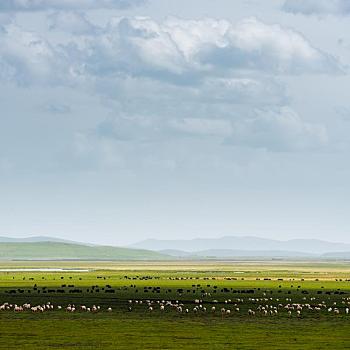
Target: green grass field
x: 60, y: 251
x: 230, y: 285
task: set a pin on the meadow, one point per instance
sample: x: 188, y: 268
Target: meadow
x: 175, y: 305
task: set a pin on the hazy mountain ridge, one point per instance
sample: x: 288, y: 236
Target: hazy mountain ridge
x: 50, y: 248
x: 248, y: 243
x: 337, y: 255
x: 230, y: 253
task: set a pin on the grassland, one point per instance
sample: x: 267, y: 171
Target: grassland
x: 113, y: 284
x: 58, y: 250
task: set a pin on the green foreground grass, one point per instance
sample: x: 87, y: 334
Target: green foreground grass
x: 62, y: 331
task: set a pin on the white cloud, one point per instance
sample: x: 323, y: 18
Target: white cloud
x: 42, y: 5
x: 271, y: 128
x: 177, y: 79
x: 184, y: 51
x: 5, y: 18
x: 27, y: 58
x: 279, y: 130
x: 179, y: 52
x: 74, y: 23
x: 318, y: 7
x: 253, y: 89
x: 202, y: 126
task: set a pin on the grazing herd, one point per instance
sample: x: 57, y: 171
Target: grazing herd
x: 251, y: 307
x: 178, y: 295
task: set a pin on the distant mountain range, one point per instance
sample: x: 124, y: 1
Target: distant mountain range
x: 246, y: 244
x: 50, y: 248
x: 231, y: 253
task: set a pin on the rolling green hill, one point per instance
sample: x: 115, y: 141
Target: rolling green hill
x: 58, y: 250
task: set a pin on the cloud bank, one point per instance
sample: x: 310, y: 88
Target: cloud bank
x: 43, y: 5
x: 175, y: 51
x: 206, y: 81
x: 72, y: 22
x: 183, y: 50
x: 279, y: 130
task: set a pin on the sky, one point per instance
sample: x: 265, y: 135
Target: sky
x: 122, y: 120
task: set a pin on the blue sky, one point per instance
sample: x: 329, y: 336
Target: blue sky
x: 123, y: 120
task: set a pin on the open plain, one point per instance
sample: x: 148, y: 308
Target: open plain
x: 175, y: 305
